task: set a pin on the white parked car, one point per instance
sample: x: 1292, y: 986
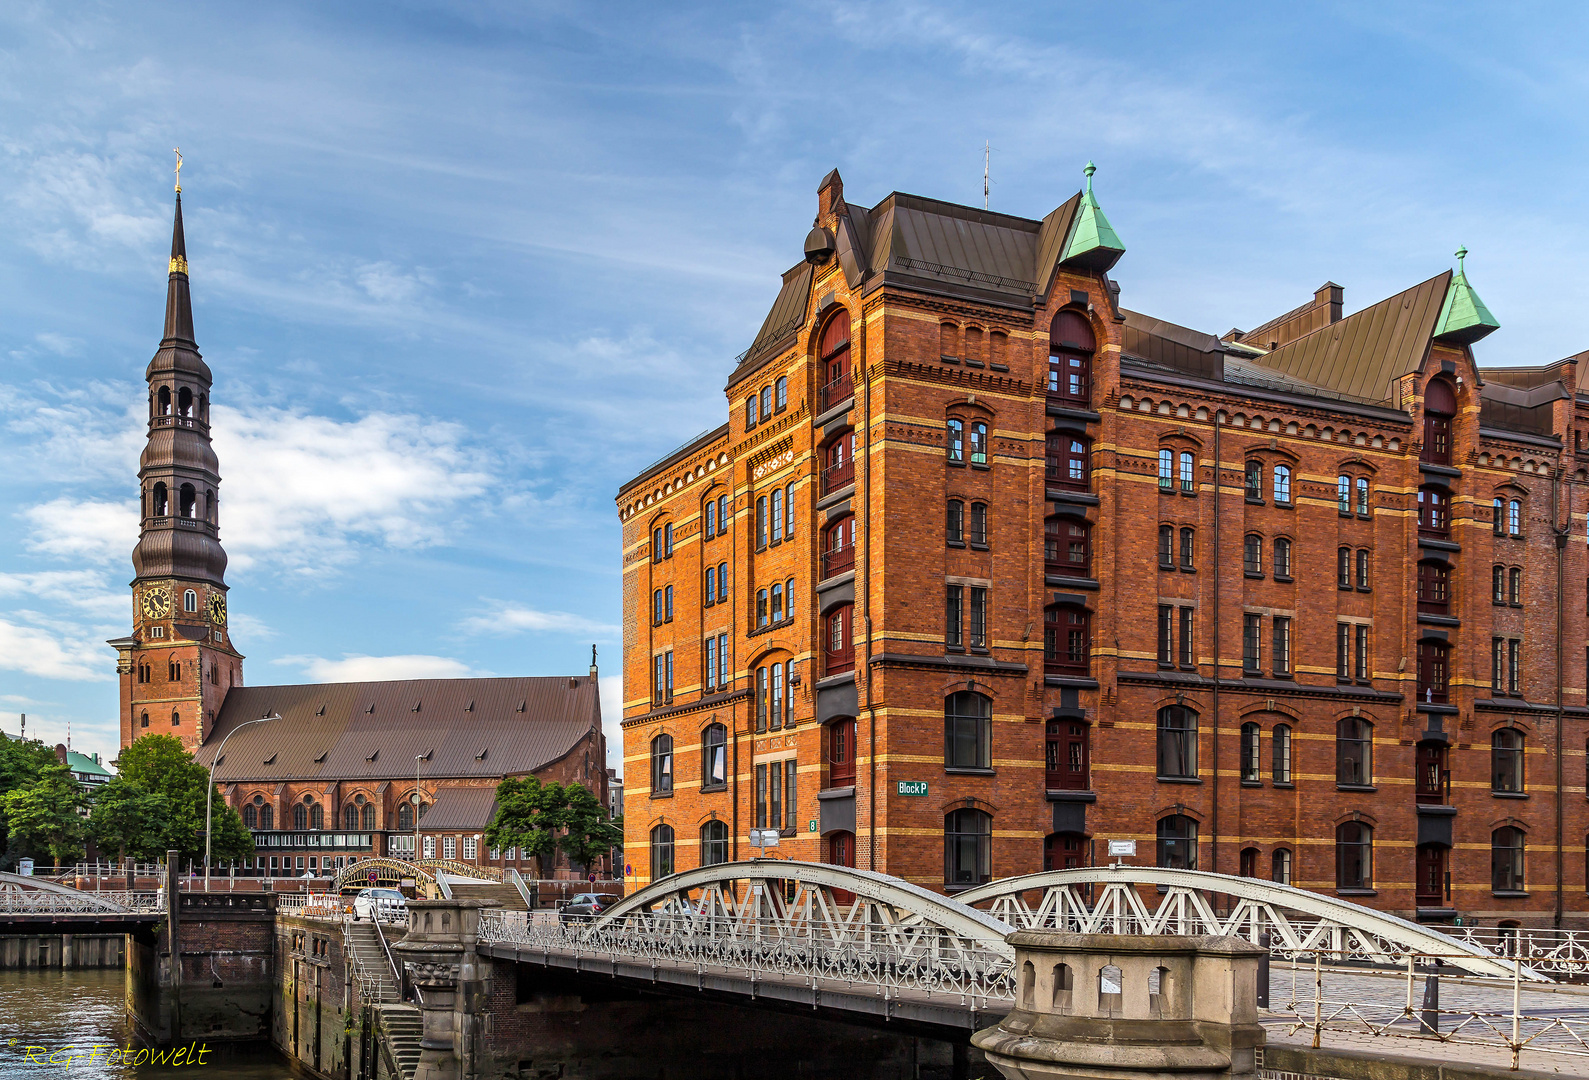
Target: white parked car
x: 387, y: 905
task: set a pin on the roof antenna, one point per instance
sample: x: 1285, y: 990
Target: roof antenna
x: 987, y: 157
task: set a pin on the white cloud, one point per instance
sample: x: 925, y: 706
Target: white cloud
x: 39, y: 653
x: 356, y: 668
x: 59, y: 344
x: 85, y: 590
x: 504, y: 617
x: 249, y: 627
x: 99, y: 531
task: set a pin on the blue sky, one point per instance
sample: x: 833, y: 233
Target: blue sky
x: 460, y: 270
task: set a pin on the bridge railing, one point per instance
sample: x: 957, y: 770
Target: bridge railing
x: 41, y: 902
x: 888, y: 959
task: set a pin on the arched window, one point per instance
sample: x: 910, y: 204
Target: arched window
x: 1247, y: 865
x: 1065, y: 851
x: 1067, y: 644
x: 766, y: 402
x: 405, y: 816
x: 1280, y: 866
x: 780, y: 394
x: 1254, y: 484
x: 1514, y: 586
x: 711, y: 518
x: 1167, y: 469
x: 211, y: 506
x: 1282, y: 559
x: 1066, y: 759
x: 267, y: 817
x: 714, y: 756
x: 714, y: 843
x: 775, y: 608
x: 1364, y: 577
x: 300, y: 816
x: 1177, y: 742
x: 1177, y: 842
x: 841, y: 849
x: 1498, y: 517
x: 1514, y: 518
x: 163, y: 396
x: 661, y: 852
x: 711, y: 585
x: 1186, y: 547
x: 1067, y: 464
x: 176, y: 718
x: 1282, y: 483
x: 185, y: 403
x: 1354, y: 856
x: 775, y: 515
x: 204, y: 408
x: 1432, y: 669
x: 1362, y: 496
x: 722, y: 583
x: 190, y: 600
x: 967, y: 847
x: 662, y: 765
x: 1167, y: 546
x: 841, y: 752
x: 1439, y: 406
x: 955, y: 521
x: 1252, y: 553
x: 656, y: 607
x: 369, y: 816
x: 967, y: 731
x: 1343, y: 568
x: 1506, y: 761
x: 979, y: 443
x: 1429, y: 870
x: 979, y: 524
x: 1434, y: 510
x: 954, y: 440
x: 317, y: 816
x: 838, y: 545
x: 1188, y: 472
x: 160, y: 501
x: 834, y: 360
x: 1498, y: 584
x: 1067, y: 547
x: 250, y: 817
x: 1249, y: 755
x: 1506, y: 859
x: 839, y: 641
x: 1434, y: 587
x: 1070, y: 349
x: 350, y: 817
x: 1280, y: 758
x: 776, y: 699
x: 1343, y: 494
x: 1354, y: 749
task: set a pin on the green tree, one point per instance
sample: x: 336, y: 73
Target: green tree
x: 588, y: 831
x: 156, y: 803
x: 45, y: 817
x: 21, y: 763
x: 529, y: 815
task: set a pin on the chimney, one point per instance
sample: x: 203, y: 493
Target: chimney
x: 830, y: 198
x: 1329, y: 295
x: 60, y: 753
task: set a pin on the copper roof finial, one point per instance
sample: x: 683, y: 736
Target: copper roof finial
x: 1089, y: 170
x: 1462, y: 253
x: 177, y: 150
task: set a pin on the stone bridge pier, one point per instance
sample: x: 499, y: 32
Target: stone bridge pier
x: 438, y: 958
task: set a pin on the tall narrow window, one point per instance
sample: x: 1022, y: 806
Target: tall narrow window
x: 1281, y: 652
x: 1354, y: 746
x: 789, y: 511
x: 1166, y: 469
x: 1188, y: 656
x: 662, y: 765
x: 775, y: 603
x: 1506, y: 859
x: 1280, y: 758
x: 1343, y: 494
x: 1343, y: 568
x: 1282, y: 557
x: 1186, y: 548
x: 722, y: 514
x: 1506, y: 761
x: 1514, y: 586
x: 750, y: 412
x: 1188, y: 472
x: 954, y: 616
x: 1282, y: 483
x: 1166, y: 545
x: 711, y: 518
x: 1360, y: 632
x: 781, y: 393
x: 1067, y: 646
x: 1252, y: 553
x: 667, y: 540
x: 1254, y: 485
x: 711, y: 585
x: 1166, y: 634
x: 722, y: 661
x: 761, y: 522
x: 1362, y: 569
x: 1432, y: 671
x: 714, y: 843
x: 1250, y: 736
x: 766, y: 402
x: 761, y: 698
x: 968, y: 847
x: 1439, y: 406
x: 1514, y: 667
x: 1070, y: 344
x: 1177, y: 843
x: 979, y: 443
x: 841, y: 752
x: 667, y: 604
x: 1177, y: 742
x: 1498, y: 584
x: 762, y: 615
x: 722, y: 582
x: 775, y: 716
x: 1498, y: 517
x: 1514, y: 518
x: 1280, y: 866
x: 835, y: 360
x: 840, y: 643
x: 1354, y: 856
x: 968, y: 731
x: 977, y: 636
x: 775, y: 514
x: 661, y: 852
x: 979, y: 523
x: 711, y: 663
x: 1362, y: 496
x: 955, y: 440
x: 1252, y: 644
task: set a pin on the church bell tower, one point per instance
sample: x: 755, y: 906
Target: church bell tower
x: 179, y: 662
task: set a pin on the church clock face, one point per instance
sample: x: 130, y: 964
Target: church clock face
x: 218, y: 609
x: 156, y: 604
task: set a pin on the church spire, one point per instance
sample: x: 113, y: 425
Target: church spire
x: 179, y: 302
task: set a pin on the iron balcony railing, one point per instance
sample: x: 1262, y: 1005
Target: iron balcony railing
x: 837, y: 476
x: 837, y: 560
x: 838, y: 390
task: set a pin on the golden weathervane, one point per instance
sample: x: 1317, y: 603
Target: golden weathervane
x: 177, y: 150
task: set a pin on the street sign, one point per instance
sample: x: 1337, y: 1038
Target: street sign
x: 372, y: 877
x: 764, y: 838
x: 1121, y: 848
x: 812, y: 825
x: 912, y: 787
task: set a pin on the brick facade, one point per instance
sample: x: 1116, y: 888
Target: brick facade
x: 931, y: 344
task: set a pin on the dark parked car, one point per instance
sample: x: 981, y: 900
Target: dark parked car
x: 587, y: 905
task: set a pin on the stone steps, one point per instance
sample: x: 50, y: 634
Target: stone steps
x: 505, y: 894
x: 361, y: 941
x: 401, y: 1028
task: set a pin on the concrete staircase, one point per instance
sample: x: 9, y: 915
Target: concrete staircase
x: 505, y: 894
x: 370, y: 959
x: 401, y: 1028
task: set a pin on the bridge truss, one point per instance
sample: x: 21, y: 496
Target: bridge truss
x: 21, y: 895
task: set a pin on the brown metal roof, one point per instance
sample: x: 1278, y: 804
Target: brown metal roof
x: 955, y: 244
x: 460, y: 810
x: 1361, y: 354
x: 374, y: 730
x: 788, y: 310
x: 1173, y: 346
x: 1051, y: 238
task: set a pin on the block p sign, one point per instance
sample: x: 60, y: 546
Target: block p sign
x: 911, y: 787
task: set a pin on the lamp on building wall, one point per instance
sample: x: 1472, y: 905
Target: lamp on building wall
x: 209, y: 794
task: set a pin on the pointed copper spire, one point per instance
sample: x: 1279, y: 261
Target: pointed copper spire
x: 179, y: 303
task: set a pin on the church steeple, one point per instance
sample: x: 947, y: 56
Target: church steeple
x: 179, y: 662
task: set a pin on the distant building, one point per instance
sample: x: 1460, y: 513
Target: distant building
x: 90, y: 772
x: 342, y: 773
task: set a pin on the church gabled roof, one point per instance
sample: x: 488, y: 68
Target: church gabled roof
x: 1463, y: 317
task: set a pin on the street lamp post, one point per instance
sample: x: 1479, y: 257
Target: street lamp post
x: 209, y: 794
x: 417, y: 759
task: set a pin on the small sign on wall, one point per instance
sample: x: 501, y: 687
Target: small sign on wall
x: 1119, y: 849
x: 811, y: 826
x: 911, y: 787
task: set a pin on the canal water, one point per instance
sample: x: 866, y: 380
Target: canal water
x: 79, y: 1019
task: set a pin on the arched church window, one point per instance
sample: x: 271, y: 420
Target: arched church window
x: 143, y: 720
x: 405, y: 817
x: 163, y: 401
x: 369, y: 815
x: 300, y: 816
x: 176, y: 718
x: 190, y: 600
x: 188, y: 500
x: 185, y: 403
x: 161, y: 500
x: 350, y: 817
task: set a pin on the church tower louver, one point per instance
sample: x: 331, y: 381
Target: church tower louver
x: 178, y: 664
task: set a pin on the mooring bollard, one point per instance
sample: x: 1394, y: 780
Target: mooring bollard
x: 1263, y: 971
x: 1429, y: 1019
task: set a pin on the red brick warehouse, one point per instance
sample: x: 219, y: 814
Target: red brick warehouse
x: 985, y: 568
